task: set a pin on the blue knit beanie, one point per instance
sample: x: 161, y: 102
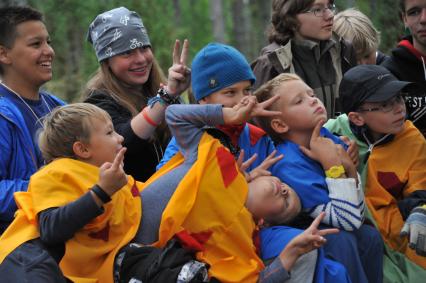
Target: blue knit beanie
x: 217, y: 66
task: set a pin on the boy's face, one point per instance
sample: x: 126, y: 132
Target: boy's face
x: 415, y: 19
x: 386, y: 117
x: 272, y: 200
x: 366, y: 58
x: 132, y: 67
x: 318, y: 23
x: 229, y: 96
x: 300, y: 109
x: 29, y: 60
x: 104, y: 143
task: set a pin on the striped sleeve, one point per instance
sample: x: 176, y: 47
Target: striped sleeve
x: 345, y: 210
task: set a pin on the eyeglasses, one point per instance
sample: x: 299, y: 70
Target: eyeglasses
x: 385, y: 106
x: 320, y: 11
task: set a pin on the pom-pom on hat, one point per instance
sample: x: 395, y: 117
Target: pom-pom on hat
x: 217, y: 66
x: 117, y: 31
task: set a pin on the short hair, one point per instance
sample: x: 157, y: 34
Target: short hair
x: 10, y: 18
x: 265, y: 92
x: 402, y: 6
x: 357, y: 28
x: 284, y: 23
x: 64, y: 126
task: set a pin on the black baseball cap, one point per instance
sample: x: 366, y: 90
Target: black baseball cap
x: 368, y: 83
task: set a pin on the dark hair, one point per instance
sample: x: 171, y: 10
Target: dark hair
x: 402, y: 6
x: 12, y: 16
x: 284, y: 23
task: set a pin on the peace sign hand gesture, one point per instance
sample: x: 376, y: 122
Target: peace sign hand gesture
x: 179, y: 76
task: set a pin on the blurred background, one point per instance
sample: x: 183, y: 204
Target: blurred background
x: 241, y: 23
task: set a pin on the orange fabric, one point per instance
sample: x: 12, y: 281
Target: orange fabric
x: 203, y: 205
x: 395, y: 170
x: 89, y: 255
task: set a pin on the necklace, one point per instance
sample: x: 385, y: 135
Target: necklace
x: 38, y: 119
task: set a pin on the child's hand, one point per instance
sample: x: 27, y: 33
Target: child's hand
x: 179, y: 76
x: 111, y: 175
x: 350, y: 169
x: 240, y: 113
x: 260, y: 109
x: 352, y: 149
x: 262, y: 169
x: 312, y: 238
x: 322, y: 149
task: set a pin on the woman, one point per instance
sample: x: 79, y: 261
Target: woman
x: 128, y: 80
x: 302, y: 41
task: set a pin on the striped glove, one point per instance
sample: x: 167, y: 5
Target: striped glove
x: 415, y: 228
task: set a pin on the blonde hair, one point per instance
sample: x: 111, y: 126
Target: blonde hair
x: 64, y: 126
x: 134, y: 100
x: 265, y: 92
x: 357, y: 28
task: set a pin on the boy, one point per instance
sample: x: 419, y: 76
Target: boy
x: 408, y: 60
x: 321, y: 173
x: 217, y: 76
x: 25, y: 65
x: 357, y: 28
x: 393, y: 160
x: 87, y: 224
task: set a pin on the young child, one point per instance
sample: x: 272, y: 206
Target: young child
x: 393, y: 162
x: 322, y: 174
x: 357, y: 28
x: 221, y: 75
x: 25, y: 65
x: 81, y: 208
x: 128, y: 80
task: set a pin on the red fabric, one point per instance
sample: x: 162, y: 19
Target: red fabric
x: 232, y: 131
x: 134, y: 190
x: 255, y: 133
x: 407, y: 44
x: 256, y: 240
x: 193, y: 241
x: 101, y: 234
x: 390, y: 181
x: 227, y: 167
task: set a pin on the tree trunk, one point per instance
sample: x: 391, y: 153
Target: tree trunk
x: 177, y: 12
x: 218, y: 22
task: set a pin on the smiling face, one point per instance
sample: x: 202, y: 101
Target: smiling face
x: 104, y: 143
x: 313, y: 27
x: 415, y: 19
x: 132, y: 67
x: 271, y: 200
x: 229, y: 96
x: 29, y: 60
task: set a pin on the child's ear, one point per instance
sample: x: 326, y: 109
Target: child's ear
x: 81, y: 150
x: 279, y: 126
x: 4, y: 58
x: 356, y: 118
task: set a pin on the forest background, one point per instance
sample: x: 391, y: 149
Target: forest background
x: 241, y: 23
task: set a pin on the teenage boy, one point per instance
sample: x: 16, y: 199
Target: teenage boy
x: 25, y: 65
x: 408, y: 60
x: 393, y: 162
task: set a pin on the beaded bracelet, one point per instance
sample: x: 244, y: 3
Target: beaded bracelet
x: 101, y: 194
x: 166, y: 97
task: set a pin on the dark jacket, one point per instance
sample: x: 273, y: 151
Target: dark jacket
x: 142, y: 156
x: 407, y: 65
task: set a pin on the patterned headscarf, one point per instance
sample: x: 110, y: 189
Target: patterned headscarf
x: 117, y: 31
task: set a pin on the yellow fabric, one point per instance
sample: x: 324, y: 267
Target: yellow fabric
x: 406, y: 157
x: 202, y: 203
x: 86, y: 259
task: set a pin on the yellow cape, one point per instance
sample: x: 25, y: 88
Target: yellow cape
x: 209, y: 204
x: 89, y: 255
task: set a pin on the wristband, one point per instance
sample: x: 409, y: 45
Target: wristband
x: 148, y: 119
x: 154, y: 100
x: 335, y: 172
x: 166, y: 97
x: 101, y: 194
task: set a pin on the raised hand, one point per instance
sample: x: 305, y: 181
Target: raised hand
x: 260, y: 109
x: 352, y: 149
x: 179, y: 76
x: 322, y: 149
x: 312, y: 238
x: 262, y: 169
x: 111, y: 175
